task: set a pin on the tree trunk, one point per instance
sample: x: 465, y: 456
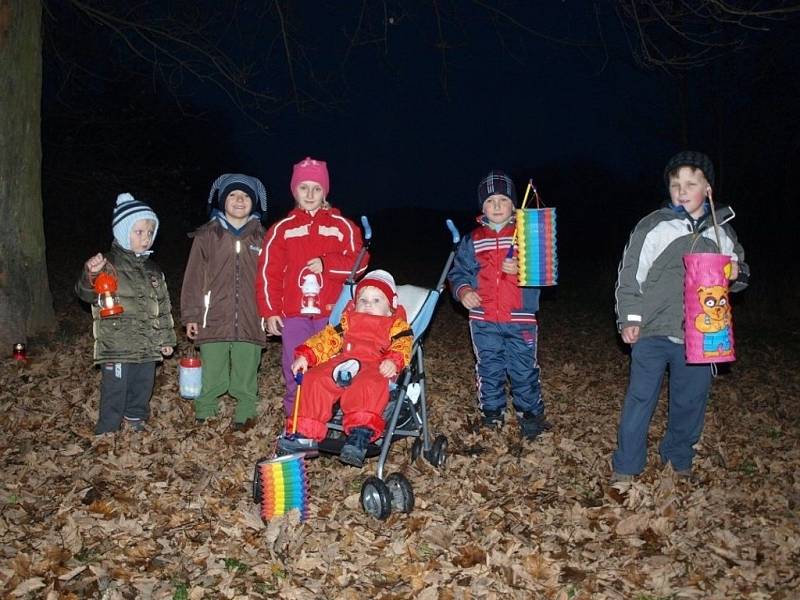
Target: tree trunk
x: 26, y: 306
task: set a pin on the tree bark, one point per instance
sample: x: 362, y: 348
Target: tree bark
x: 26, y: 305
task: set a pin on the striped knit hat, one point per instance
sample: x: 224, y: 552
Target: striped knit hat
x: 496, y: 182
x: 127, y: 211
x: 229, y: 182
x: 690, y: 158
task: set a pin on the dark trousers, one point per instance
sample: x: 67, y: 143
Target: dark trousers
x: 507, y: 352
x: 125, y: 392
x: 688, y: 394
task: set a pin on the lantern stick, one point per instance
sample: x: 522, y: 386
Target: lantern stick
x: 529, y: 187
x: 299, y: 379
x: 714, y: 219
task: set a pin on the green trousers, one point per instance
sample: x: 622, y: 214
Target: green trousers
x: 230, y: 367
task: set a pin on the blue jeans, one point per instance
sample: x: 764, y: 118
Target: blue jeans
x: 507, y: 351
x: 689, y: 386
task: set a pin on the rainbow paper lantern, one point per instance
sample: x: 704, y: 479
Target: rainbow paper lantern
x: 707, y: 317
x: 284, y: 486
x: 536, y: 240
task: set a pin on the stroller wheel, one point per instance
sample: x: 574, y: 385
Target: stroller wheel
x: 401, y: 491
x: 258, y: 488
x: 416, y: 449
x: 437, y: 455
x: 376, y: 500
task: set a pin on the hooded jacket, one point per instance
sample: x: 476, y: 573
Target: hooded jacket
x: 649, y: 291
x: 219, y: 283
x: 137, y: 334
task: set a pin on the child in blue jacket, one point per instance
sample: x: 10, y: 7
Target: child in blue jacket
x: 502, y: 315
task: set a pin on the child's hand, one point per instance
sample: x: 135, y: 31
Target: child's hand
x: 96, y: 263
x: 314, y: 265
x: 166, y: 350
x: 387, y: 368
x: 734, y: 271
x: 470, y: 299
x: 510, y: 266
x: 274, y: 325
x: 630, y: 334
x: 300, y: 364
x: 192, y: 330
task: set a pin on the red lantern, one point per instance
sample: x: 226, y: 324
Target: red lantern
x: 105, y: 284
x: 19, y: 352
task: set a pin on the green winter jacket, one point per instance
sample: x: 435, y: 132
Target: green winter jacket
x: 138, y: 334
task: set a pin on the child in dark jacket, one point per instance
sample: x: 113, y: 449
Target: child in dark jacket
x: 502, y: 316
x: 129, y: 343
x: 218, y: 301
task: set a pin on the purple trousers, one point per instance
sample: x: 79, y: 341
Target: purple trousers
x: 296, y: 330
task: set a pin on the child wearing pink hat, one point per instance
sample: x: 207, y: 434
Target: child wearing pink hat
x: 351, y: 363
x: 314, y: 246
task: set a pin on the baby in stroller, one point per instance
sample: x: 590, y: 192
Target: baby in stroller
x: 351, y: 363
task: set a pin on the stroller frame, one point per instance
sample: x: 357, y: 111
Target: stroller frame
x: 406, y: 414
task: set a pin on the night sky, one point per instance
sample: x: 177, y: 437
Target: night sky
x: 400, y: 128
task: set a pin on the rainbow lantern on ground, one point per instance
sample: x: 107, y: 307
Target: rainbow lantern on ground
x: 708, y: 322
x: 283, y: 486
x: 536, y: 240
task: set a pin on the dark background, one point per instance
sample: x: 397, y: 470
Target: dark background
x: 410, y: 110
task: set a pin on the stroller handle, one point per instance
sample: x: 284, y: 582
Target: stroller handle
x: 453, y: 230
x: 365, y: 226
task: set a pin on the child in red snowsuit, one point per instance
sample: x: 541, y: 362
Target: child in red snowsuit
x: 352, y: 363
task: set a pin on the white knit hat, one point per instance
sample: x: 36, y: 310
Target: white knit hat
x: 127, y: 211
x: 382, y: 280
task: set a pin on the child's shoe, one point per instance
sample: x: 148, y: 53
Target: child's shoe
x: 293, y: 443
x: 493, y: 419
x: 531, y: 425
x: 136, y: 425
x: 355, y: 446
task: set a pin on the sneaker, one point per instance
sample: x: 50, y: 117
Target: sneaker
x: 293, y: 443
x: 531, y: 425
x: 136, y: 425
x: 355, y: 446
x: 617, y: 477
x: 493, y: 419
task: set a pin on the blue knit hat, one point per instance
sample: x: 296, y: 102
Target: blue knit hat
x: 229, y: 182
x: 496, y: 182
x: 127, y: 211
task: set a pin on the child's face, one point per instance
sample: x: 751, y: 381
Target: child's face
x: 309, y: 196
x: 238, y: 205
x: 373, y: 302
x: 688, y: 188
x: 142, y: 233
x: 498, y: 208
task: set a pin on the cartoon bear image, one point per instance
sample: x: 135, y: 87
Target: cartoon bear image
x: 715, y: 321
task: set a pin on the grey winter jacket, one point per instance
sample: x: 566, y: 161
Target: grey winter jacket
x: 138, y: 334
x: 649, y: 290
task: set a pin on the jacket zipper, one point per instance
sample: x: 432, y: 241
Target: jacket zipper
x: 206, y: 304
x: 236, y: 292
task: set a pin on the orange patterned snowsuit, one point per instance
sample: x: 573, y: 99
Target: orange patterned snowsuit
x: 369, y: 339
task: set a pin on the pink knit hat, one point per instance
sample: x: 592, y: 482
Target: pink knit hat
x: 310, y: 169
x: 382, y: 280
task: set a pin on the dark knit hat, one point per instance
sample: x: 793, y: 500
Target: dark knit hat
x: 127, y: 211
x: 496, y: 182
x: 229, y: 182
x: 690, y: 158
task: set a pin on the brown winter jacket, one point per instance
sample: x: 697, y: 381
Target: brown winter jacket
x: 218, y: 290
x: 138, y: 334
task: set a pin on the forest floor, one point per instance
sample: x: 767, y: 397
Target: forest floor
x: 168, y: 513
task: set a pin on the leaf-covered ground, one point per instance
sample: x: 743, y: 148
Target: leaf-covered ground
x: 168, y: 513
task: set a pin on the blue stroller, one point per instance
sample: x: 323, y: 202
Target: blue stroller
x: 406, y: 414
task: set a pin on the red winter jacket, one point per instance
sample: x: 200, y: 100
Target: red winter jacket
x: 290, y: 244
